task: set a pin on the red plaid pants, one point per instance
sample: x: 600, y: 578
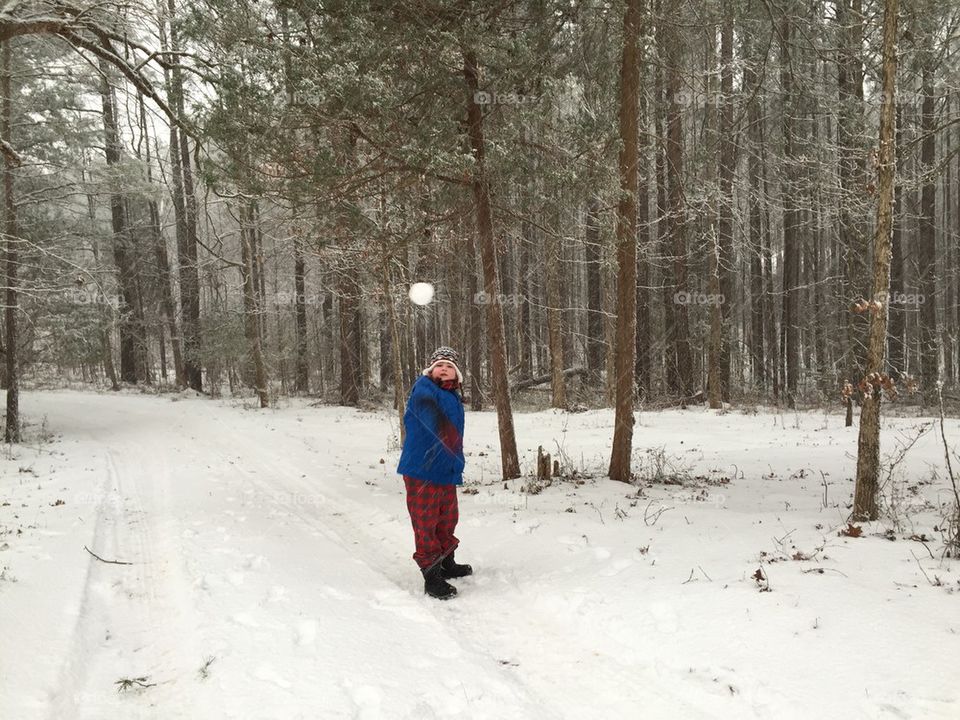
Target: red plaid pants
x: 434, y: 513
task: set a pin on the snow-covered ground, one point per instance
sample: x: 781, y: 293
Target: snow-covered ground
x: 270, y: 573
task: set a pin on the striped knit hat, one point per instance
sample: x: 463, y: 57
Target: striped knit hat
x: 444, y: 354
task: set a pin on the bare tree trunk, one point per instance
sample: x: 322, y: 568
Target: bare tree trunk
x: 302, y: 382
x: 644, y: 333
x: 510, y: 462
x: 251, y: 321
x: 167, y: 304
x: 671, y: 378
x: 770, y: 323
x: 714, y: 381
x: 350, y: 360
x: 185, y: 211
x: 727, y: 168
x: 302, y: 365
x: 949, y: 335
x: 105, y: 320
x: 624, y: 365
x: 897, y: 341
x: 677, y: 212
x: 475, y: 333
x: 558, y: 383
x: 352, y: 368
x: 11, y: 431
x: 926, y: 236
x: 868, y: 446
x: 524, y: 319
x: 852, y: 176
x: 758, y: 298
x: 394, y: 346
x: 131, y: 326
x: 790, y: 330
x: 595, y: 332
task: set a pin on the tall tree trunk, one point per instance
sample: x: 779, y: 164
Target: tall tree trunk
x: 790, y: 330
x: 595, y: 332
x: 868, y: 446
x: 644, y: 333
x: 167, y: 304
x: 926, y: 235
x: 524, y: 319
x: 510, y: 462
x: 758, y: 298
x: 726, y: 170
x: 667, y: 284
x: 302, y: 382
x: 769, y: 321
x: 105, y: 320
x: 897, y: 312
x: 558, y: 384
x: 677, y: 212
x: 251, y: 321
x: 11, y: 431
x: 714, y: 382
x: 624, y: 365
x: 852, y: 177
x: 475, y: 325
x: 131, y: 326
x: 395, y: 360
x: 351, y: 369
x: 185, y: 212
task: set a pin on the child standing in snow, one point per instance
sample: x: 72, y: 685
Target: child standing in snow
x: 432, y: 466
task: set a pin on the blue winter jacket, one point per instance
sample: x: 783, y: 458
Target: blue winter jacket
x: 433, y: 446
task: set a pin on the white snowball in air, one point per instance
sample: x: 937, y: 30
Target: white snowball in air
x: 421, y: 293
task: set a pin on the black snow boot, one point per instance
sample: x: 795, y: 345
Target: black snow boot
x: 435, y: 586
x: 452, y: 569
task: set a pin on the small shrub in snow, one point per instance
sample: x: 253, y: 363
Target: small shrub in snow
x: 139, y: 683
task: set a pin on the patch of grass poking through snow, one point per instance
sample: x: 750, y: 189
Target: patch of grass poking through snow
x: 204, y: 671
x: 137, y: 684
x: 657, y: 468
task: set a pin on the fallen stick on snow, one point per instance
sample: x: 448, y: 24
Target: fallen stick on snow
x: 110, y: 562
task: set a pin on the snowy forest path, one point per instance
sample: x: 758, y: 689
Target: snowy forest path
x: 236, y: 602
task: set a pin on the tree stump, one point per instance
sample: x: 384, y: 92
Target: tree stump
x: 544, y: 467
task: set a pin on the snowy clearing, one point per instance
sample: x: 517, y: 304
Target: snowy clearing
x: 270, y: 572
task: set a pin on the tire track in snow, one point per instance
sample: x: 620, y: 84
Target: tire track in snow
x: 131, y: 619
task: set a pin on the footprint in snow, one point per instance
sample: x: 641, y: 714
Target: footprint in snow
x: 368, y: 698
x: 664, y: 617
x: 306, y: 633
x: 254, y: 562
x: 245, y: 620
x: 268, y: 674
x: 616, y: 567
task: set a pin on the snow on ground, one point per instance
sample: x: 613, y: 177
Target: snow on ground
x: 270, y: 572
